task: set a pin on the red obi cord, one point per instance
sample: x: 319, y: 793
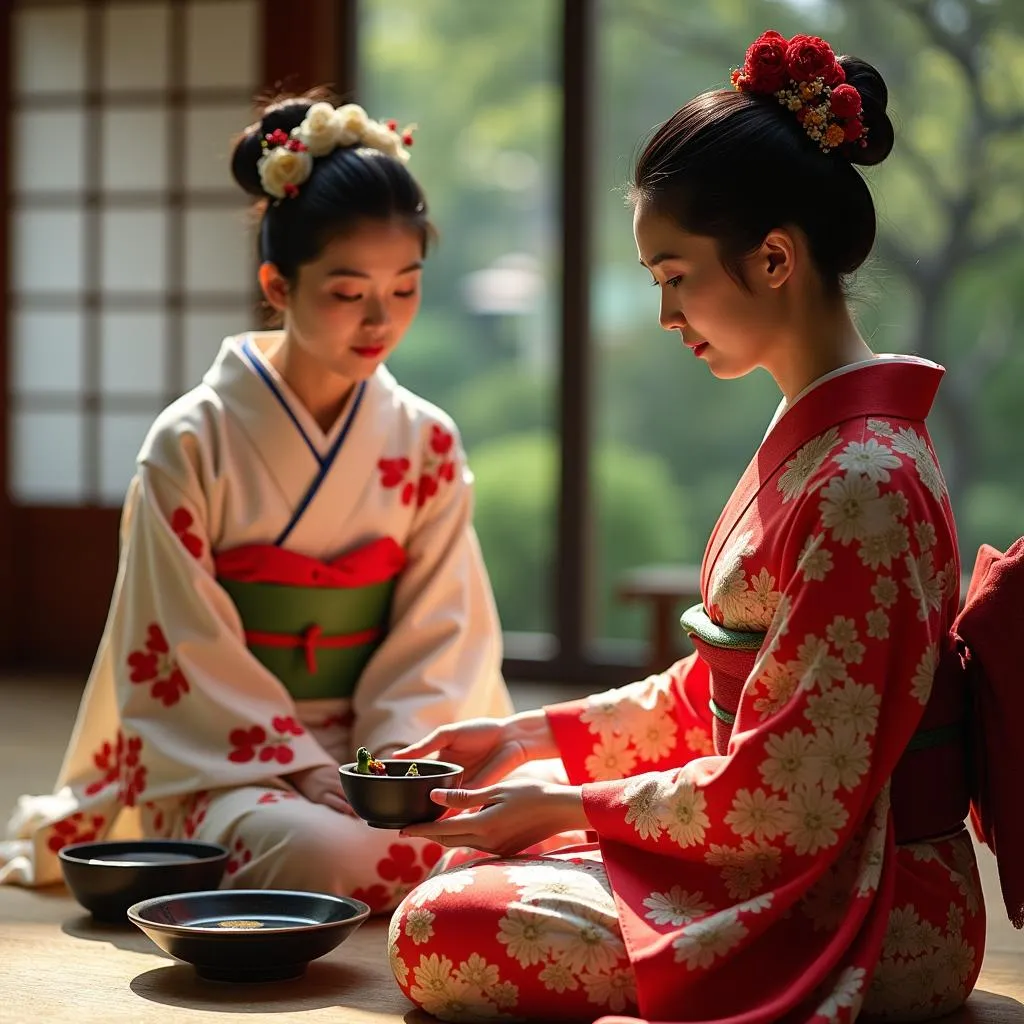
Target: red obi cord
x: 310, y: 639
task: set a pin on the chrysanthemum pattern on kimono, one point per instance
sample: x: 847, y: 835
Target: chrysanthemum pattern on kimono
x: 763, y: 879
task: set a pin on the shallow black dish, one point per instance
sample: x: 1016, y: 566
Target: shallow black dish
x: 249, y: 934
x: 107, y: 878
x: 396, y: 799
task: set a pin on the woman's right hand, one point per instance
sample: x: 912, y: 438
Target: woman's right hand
x: 488, y: 748
x: 322, y: 785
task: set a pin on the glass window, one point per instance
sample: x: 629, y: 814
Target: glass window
x: 671, y: 439
x: 481, y: 80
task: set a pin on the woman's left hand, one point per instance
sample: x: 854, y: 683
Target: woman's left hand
x: 511, y: 816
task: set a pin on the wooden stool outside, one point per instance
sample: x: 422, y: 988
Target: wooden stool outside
x: 667, y: 590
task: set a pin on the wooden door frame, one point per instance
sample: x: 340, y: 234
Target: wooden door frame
x: 60, y: 563
x: 8, y: 590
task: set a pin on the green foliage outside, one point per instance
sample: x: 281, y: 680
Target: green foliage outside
x: 481, y: 79
x: 516, y: 479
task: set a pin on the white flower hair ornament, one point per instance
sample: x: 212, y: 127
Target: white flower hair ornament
x: 287, y: 159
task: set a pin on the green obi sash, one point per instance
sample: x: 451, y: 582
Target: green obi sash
x: 730, y: 655
x: 313, y: 624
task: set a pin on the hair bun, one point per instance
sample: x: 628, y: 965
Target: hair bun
x: 286, y: 115
x: 874, y: 97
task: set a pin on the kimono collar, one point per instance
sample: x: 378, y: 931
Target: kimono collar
x: 267, y: 417
x: 899, y: 386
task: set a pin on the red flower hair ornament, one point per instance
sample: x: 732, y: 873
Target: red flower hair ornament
x: 803, y: 74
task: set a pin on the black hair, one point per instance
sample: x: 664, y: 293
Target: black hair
x: 734, y: 165
x: 348, y: 185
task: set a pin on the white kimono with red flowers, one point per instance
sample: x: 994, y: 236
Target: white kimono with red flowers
x: 758, y: 878
x: 182, y: 731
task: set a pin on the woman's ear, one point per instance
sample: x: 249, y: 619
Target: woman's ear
x: 274, y: 286
x: 775, y: 261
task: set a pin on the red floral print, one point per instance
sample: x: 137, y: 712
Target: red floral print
x: 427, y: 489
x: 245, y: 742
x: 440, y: 440
x: 107, y: 759
x: 153, y: 664
x: 253, y: 743
x: 287, y: 726
x: 157, y: 819
x: 392, y: 471
x: 431, y: 854
x: 343, y: 720
x: 181, y: 521
x: 197, y: 815
x: 240, y: 856
x: 400, y: 865
x: 133, y: 772
x: 400, y: 870
x: 120, y: 764
x: 76, y: 828
x: 275, y: 796
x: 376, y: 897
x: 438, y: 466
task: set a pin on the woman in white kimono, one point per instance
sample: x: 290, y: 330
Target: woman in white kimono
x: 299, y: 574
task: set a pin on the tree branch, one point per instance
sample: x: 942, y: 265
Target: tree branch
x: 1005, y: 124
x: 658, y: 27
x: 960, y: 49
x: 925, y: 169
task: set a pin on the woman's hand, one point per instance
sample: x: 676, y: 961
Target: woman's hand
x: 488, y: 748
x: 321, y: 785
x: 512, y: 816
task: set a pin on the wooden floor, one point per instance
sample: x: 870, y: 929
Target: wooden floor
x: 56, y: 965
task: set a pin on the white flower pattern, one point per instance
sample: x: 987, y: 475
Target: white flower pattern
x: 683, y: 814
x: 869, y: 457
x: 675, y: 907
x: 924, y: 674
x: 806, y: 463
x: 815, y: 559
x: 702, y: 942
x: 850, y: 572
x: 852, y: 509
x: 729, y: 580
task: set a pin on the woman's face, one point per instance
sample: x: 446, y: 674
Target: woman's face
x: 732, y: 328
x: 350, y: 308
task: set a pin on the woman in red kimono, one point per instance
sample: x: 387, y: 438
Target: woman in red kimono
x: 779, y: 818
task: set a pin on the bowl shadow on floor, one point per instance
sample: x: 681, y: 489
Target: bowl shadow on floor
x: 122, y: 936
x: 325, y: 984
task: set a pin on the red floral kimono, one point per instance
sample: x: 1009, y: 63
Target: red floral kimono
x: 779, y: 817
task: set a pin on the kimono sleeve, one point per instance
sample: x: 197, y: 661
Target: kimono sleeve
x: 868, y: 581
x: 659, y: 722
x: 176, y: 701
x: 441, y: 660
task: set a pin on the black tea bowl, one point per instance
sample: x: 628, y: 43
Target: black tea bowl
x: 108, y: 877
x: 249, y: 935
x: 397, y: 799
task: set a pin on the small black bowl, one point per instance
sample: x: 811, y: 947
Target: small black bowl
x: 396, y: 799
x: 249, y: 934
x: 107, y: 878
